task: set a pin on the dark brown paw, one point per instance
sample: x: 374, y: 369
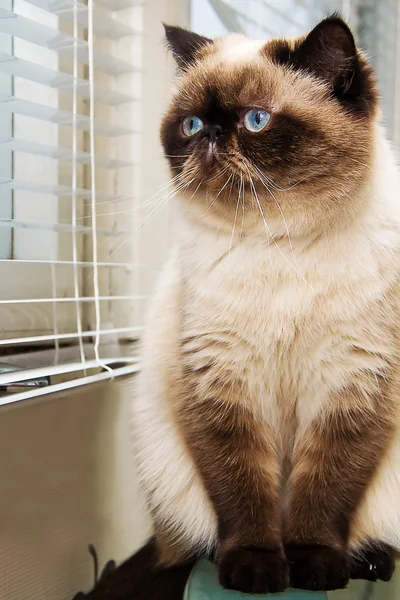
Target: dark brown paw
x: 317, y: 567
x: 373, y: 563
x: 253, y: 571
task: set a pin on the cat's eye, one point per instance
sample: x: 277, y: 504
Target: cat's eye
x: 256, y: 119
x: 192, y: 125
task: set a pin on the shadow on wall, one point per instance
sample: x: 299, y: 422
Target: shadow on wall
x: 67, y: 479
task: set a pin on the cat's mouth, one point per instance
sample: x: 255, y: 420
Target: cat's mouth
x: 218, y: 170
x: 216, y: 173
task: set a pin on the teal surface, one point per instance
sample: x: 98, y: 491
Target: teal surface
x: 203, y: 585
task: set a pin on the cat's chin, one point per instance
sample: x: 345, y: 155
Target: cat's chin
x: 214, y: 173
x: 216, y: 183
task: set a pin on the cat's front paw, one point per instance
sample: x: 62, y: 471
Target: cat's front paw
x: 376, y: 562
x: 317, y: 567
x: 253, y: 570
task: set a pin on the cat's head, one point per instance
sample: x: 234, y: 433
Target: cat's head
x: 277, y: 126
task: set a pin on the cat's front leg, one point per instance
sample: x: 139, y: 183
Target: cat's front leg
x: 236, y: 457
x: 334, y: 462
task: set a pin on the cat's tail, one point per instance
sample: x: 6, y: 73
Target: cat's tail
x: 141, y: 578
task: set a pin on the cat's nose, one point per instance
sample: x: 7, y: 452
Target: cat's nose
x: 213, y: 132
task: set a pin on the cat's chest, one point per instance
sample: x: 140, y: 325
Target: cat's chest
x: 261, y: 309
x: 255, y: 296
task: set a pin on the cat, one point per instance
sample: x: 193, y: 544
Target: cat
x: 266, y: 416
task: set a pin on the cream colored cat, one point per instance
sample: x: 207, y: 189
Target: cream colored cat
x: 267, y: 420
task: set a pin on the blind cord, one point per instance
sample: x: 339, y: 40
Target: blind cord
x: 54, y: 308
x: 74, y: 206
x: 93, y: 189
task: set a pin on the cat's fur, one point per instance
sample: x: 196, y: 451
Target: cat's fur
x: 267, y: 417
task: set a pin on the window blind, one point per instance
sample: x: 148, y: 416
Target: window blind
x: 70, y: 205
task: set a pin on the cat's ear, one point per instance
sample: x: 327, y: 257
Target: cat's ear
x: 329, y: 52
x: 184, y: 44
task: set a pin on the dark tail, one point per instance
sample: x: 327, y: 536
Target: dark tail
x: 139, y: 578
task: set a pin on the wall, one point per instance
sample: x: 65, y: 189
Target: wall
x: 158, y: 75
x: 67, y: 479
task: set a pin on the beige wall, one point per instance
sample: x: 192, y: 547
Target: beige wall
x: 159, y: 71
x: 397, y: 87
x: 67, y: 479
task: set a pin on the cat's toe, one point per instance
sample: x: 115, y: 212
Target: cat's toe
x: 373, y: 563
x: 253, y: 571
x: 317, y: 567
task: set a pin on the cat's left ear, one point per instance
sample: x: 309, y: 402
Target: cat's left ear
x: 329, y: 52
x: 184, y: 44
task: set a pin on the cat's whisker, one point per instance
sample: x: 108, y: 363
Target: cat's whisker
x: 160, y: 204
x: 226, y: 183
x: 160, y: 188
x: 241, y: 193
x: 171, y: 183
x: 219, y: 174
x: 166, y: 199
x: 133, y: 197
x: 131, y: 233
x: 277, y: 187
x: 118, y: 212
x: 195, y: 191
x: 267, y: 179
x: 234, y: 225
x: 149, y: 217
x: 230, y: 187
x: 216, y: 196
x: 181, y: 181
x: 283, y: 217
x: 271, y: 182
x: 269, y: 232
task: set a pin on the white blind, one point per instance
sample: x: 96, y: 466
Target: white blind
x: 70, y: 131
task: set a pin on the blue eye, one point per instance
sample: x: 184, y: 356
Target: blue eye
x: 255, y: 119
x: 192, y: 125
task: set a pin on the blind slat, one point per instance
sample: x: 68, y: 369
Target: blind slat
x: 60, y: 153
x: 26, y: 374
x: 54, y: 190
x: 102, y: 24
x: 55, y: 115
x: 63, y: 299
x: 67, y: 385
x: 29, y: 30
x: 68, y: 263
x: 33, y: 339
x: 19, y: 67
x: 60, y: 227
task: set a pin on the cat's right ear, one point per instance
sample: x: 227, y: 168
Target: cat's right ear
x: 184, y: 44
